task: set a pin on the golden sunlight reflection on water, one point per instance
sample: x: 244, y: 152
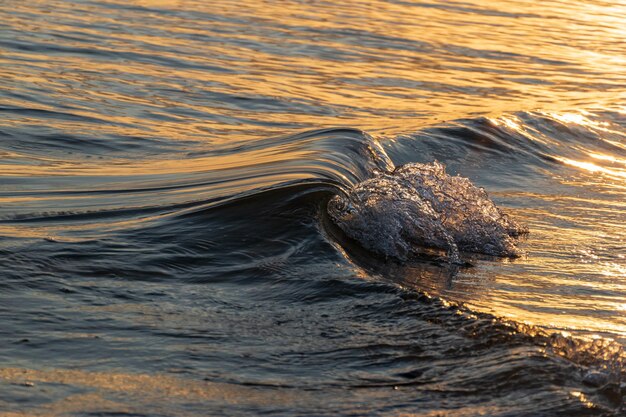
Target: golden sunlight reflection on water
x: 396, y: 66
x: 123, y: 121
x: 381, y: 66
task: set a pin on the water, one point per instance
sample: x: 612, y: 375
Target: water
x: 165, y: 171
x: 416, y: 208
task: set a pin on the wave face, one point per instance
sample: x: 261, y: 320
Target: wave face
x: 166, y: 170
x: 419, y: 205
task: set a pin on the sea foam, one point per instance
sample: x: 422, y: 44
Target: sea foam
x: 417, y: 207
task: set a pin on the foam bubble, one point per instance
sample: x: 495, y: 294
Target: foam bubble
x: 418, y: 206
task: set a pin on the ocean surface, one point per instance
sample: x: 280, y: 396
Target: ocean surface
x: 166, y: 247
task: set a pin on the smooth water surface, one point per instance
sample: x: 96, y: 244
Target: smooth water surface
x: 165, y: 170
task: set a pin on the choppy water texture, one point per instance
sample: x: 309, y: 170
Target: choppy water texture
x: 165, y: 173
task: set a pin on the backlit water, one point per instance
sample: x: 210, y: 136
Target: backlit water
x: 165, y: 247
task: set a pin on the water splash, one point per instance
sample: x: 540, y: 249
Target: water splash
x: 418, y: 207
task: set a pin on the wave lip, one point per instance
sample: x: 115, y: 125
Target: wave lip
x: 419, y: 206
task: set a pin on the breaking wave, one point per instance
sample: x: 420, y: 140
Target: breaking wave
x: 419, y: 206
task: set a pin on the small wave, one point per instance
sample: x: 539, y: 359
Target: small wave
x: 108, y: 196
x: 419, y: 206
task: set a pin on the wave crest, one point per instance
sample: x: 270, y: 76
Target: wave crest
x: 419, y: 206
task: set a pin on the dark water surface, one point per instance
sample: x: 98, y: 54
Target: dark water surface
x: 165, y: 247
